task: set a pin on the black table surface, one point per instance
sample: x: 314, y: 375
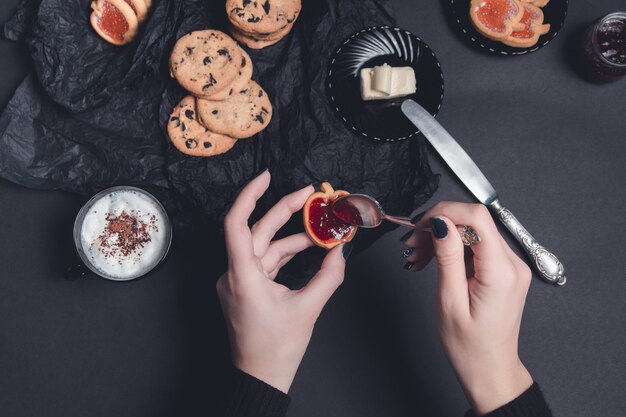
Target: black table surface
x: 551, y: 143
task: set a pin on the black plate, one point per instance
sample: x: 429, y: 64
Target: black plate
x: 554, y: 14
x: 382, y: 119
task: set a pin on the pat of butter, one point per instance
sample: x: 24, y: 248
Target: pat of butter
x: 381, y: 78
x: 402, y: 83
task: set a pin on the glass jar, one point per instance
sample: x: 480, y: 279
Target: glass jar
x: 604, y: 48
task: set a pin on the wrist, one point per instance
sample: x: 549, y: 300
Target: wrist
x: 494, y: 386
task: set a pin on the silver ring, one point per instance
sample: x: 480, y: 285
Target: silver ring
x: 469, y: 236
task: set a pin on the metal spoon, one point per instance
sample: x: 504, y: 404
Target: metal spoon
x: 364, y: 211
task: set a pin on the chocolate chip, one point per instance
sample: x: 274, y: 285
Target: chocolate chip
x: 241, y: 15
x: 208, y: 145
x: 254, y: 19
x: 206, y: 60
x: 211, y: 83
x: 259, y: 118
x: 263, y: 109
x: 191, y: 143
x: 176, y: 121
x: 189, y: 50
x: 244, y: 91
x: 183, y: 127
x: 266, y: 7
x: 246, y: 2
x: 243, y: 62
x: 260, y: 93
x: 223, y: 52
x: 230, y: 92
x: 189, y: 114
x: 215, y: 112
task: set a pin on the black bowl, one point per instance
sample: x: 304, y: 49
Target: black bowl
x: 382, y: 119
x: 554, y: 14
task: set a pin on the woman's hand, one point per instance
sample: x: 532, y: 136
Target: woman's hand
x: 480, y: 311
x: 269, y: 325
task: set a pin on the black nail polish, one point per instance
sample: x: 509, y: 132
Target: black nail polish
x: 347, y: 250
x: 417, y: 217
x: 406, y: 236
x: 408, y: 266
x: 440, y: 228
x: 407, y: 252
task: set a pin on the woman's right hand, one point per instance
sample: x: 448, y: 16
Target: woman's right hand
x: 481, y: 299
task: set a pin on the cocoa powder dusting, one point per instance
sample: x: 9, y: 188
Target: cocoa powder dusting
x: 125, y: 234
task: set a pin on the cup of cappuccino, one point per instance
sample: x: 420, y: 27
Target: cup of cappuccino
x: 121, y: 233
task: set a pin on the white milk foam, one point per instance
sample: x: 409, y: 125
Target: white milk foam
x: 102, y: 247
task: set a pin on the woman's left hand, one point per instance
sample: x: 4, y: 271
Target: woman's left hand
x: 269, y: 325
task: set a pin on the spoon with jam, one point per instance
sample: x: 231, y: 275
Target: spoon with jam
x: 364, y: 211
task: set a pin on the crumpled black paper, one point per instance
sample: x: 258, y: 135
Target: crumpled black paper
x: 93, y: 115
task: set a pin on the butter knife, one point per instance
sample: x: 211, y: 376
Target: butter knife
x: 545, y: 262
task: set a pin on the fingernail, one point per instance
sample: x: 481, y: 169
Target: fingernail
x: 417, y: 217
x: 261, y: 171
x: 407, y: 252
x: 347, y: 250
x: 406, y: 236
x: 408, y: 266
x: 440, y: 228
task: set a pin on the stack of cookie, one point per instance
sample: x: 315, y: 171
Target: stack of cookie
x: 516, y: 23
x: 225, y: 103
x: 261, y: 23
x: 117, y: 21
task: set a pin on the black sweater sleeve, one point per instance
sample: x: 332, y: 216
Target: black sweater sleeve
x: 252, y: 397
x: 529, y: 404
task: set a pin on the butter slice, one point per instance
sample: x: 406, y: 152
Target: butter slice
x: 381, y: 79
x: 402, y: 83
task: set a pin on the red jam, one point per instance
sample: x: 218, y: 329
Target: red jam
x: 604, y: 48
x: 345, y: 211
x: 495, y: 13
x: 324, y: 224
x: 526, y: 20
x: 112, y: 22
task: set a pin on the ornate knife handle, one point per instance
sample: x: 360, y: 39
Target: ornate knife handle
x: 546, y: 263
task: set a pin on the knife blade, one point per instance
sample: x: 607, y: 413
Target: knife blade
x: 545, y: 262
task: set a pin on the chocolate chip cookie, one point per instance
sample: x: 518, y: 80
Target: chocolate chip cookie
x: 205, y: 62
x: 262, y: 16
x: 241, y: 116
x: 255, y: 41
x: 245, y: 74
x: 190, y: 137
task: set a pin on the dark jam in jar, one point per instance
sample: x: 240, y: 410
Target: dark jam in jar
x: 604, y: 48
x: 325, y: 224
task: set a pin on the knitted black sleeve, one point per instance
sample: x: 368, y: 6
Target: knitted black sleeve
x: 252, y: 397
x: 529, y: 404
